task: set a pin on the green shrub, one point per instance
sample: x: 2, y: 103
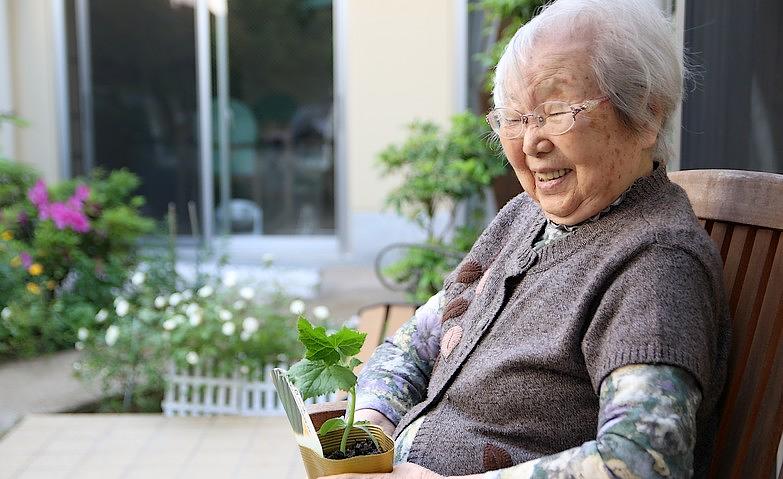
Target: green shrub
x: 439, y: 170
x: 158, y: 319
x: 63, y: 249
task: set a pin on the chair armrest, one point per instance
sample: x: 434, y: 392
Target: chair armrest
x: 320, y: 413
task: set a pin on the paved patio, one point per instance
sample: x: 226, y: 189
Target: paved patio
x: 149, y: 446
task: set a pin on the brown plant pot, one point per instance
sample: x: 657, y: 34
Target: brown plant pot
x: 317, y: 466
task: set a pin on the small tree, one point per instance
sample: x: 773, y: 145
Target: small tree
x: 439, y: 170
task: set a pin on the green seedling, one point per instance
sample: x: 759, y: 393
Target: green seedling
x: 328, y: 367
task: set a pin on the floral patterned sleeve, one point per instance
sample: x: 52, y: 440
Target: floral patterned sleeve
x: 396, y: 376
x: 646, y: 428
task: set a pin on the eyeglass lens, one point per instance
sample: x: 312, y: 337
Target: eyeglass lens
x: 553, y: 117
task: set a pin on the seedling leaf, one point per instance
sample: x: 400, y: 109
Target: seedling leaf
x: 331, y: 424
x: 315, y: 378
x: 318, y: 345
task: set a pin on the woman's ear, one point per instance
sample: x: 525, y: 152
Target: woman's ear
x: 649, y: 137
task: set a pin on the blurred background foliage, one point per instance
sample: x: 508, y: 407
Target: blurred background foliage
x: 449, y: 172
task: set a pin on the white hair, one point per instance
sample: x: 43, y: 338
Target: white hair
x: 634, y: 58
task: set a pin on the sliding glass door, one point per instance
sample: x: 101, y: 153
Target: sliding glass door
x: 248, y: 141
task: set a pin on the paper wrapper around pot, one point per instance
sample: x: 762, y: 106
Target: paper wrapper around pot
x: 317, y: 466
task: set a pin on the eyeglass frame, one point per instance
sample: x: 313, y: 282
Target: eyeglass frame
x: 586, y: 105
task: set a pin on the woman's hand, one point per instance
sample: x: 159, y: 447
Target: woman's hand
x: 401, y: 471
x: 375, y: 418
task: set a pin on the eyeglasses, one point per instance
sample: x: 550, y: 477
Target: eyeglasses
x: 553, y: 117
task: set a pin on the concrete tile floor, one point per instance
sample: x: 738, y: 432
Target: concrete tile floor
x: 149, y: 446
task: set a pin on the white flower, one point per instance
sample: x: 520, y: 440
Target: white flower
x: 321, y: 312
x: 268, y: 259
x: 138, y: 278
x: 239, y: 304
x: 160, y: 302
x: 230, y: 279
x: 178, y: 319
x: 250, y: 325
x: 169, y: 324
x: 83, y: 334
x: 228, y: 328
x: 187, y: 294
x: 175, y: 299
x: 79, y: 345
x: 297, y: 307
x: 244, y: 369
x: 206, y: 291
x: 191, y: 357
x: 192, y: 308
x: 247, y: 293
x: 122, y: 308
x: 101, y: 316
x: 6, y: 313
x: 112, y: 333
x: 146, y: 314
x: 244, y: 335
x: 77, y: 366
x: 194, y: 319
x: 225, y: 315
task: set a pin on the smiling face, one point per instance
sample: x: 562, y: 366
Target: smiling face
x: 600, y: 157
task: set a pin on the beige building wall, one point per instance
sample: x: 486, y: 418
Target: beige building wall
x: 400, y: 66
x: 33, y: 84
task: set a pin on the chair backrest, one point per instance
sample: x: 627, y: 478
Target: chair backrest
x: 379, y: 321
x: 743, y: 213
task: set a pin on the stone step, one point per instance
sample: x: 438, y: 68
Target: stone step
x: 41, y: 385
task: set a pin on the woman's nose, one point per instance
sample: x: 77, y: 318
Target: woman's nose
x: 535, y: 144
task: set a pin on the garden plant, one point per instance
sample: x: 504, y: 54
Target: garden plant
x: 63, y: 249
x: 327, y: 368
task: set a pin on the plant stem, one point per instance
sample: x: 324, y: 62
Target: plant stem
x: 349, y: 421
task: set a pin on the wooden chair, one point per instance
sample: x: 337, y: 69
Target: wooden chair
x: 743, y: 213
x: 380, y: 321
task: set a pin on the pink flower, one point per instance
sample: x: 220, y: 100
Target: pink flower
x: 38, y: 194
x: 27, y: 260
x: 65, y: 216
x: 82, y: 192
x: 77, y: 200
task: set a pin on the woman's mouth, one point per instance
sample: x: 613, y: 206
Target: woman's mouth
x: 552, y: 182
x: 552, y: 175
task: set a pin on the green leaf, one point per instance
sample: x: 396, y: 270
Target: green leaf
x: 331, y: 425
x: 329, y: 348
x: 353, y: 363
x: 315, y: 378
x: 348, y: 341
x: 318, y: 345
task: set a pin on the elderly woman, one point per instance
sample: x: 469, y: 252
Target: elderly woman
x: 586, y: 333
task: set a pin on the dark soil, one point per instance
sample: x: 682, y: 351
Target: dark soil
x: 365, y: 447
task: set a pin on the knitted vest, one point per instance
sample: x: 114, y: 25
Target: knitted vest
x: 523, y: 355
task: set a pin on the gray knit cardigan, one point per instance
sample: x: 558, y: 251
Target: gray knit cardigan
x: 526, y: 355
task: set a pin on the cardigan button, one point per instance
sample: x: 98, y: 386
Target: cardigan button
x: 450, y: 340
x: 455, y: 308
x: 496, y: 457
x: 470, y: 272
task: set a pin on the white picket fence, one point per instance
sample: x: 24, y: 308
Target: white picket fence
x: 198, y: 391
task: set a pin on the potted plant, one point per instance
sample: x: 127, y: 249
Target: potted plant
x: 348, y: 446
